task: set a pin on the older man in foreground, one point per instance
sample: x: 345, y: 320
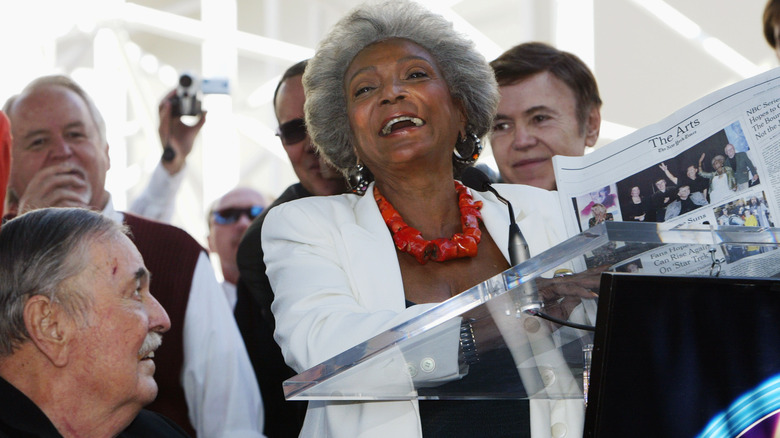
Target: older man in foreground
x: 60, y: 159
x: 78, y: 330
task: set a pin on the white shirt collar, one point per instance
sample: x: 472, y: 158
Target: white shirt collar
x: 109, y: 211
x: 230, y: 293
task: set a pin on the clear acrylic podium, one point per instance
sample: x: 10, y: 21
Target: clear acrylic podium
x: 517, y: 355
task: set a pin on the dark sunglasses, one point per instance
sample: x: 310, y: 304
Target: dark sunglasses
x: 292, y: 132
x: 229, y: 216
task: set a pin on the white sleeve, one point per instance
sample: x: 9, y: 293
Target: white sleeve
x: 158, y: 199
x: 222, y: 393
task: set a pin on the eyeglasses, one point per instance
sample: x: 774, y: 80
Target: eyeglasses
x: 292, y: 132
x: 228, y: 216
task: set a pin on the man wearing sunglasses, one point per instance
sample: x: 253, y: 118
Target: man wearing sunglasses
x: 253, y: 308
x: 228, y: 220
x: 316, y: 177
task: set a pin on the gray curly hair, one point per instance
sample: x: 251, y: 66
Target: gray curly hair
x: 470, y: 79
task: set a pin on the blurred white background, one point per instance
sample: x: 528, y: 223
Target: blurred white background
x: 650, y: 57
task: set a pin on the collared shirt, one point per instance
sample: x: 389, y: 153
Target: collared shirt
x: 219, y: 383
x: 230, y: 293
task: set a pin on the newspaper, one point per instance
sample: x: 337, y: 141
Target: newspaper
x: 715, y: 161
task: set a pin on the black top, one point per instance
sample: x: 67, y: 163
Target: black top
x: 21, y: 418
x: 478, y: 418
x: 661, y: 199
x: 631, y: 210
x: 698, y: 184
x: 495, y: 418
x: 687, y: 205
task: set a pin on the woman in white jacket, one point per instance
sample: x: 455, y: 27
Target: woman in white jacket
x: 398, y: 101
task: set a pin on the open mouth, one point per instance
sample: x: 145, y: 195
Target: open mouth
x: 75, y: 172
x: 151, y: 343
x: 401, y: 123
x: 148, y: 356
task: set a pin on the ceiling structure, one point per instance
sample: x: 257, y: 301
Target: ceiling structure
x: 650, y: 57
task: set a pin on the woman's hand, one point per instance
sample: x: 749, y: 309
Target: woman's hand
x: 562, y: 294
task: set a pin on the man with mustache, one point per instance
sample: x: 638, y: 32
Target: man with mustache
x: 60, y: 159
x: 79, y: 330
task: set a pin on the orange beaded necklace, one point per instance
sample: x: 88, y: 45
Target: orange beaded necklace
x: 410, y: 240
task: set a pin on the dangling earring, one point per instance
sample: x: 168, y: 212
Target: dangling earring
x: 476, y: 150
x: 358, y: 179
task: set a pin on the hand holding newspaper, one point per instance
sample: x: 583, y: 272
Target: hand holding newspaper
x: 714, y: 161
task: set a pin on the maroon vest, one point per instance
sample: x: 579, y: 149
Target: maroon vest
x: 170, y: 254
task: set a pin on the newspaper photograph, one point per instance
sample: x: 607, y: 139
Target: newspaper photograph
x: 714, y: 162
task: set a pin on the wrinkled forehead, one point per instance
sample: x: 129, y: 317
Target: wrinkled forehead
x: 49, y: 103
x: 116, y: 258
x: 379, y: 52
x: 105, y: 263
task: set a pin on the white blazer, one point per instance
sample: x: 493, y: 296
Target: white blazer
x: 334, y: 270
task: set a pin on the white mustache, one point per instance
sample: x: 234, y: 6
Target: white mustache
x: 152, y: 342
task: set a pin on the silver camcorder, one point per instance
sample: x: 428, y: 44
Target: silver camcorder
x: 190, y: 91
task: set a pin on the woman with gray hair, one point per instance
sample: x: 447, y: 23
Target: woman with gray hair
x: 398, y: 101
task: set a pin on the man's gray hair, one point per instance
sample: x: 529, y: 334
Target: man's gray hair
x: 39, y: 251
x: 70, y: 84
x: 468, y: 75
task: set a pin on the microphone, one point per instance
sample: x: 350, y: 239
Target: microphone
x: 527, y: 299
x: 518, y: 246
x: 476, y: 179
